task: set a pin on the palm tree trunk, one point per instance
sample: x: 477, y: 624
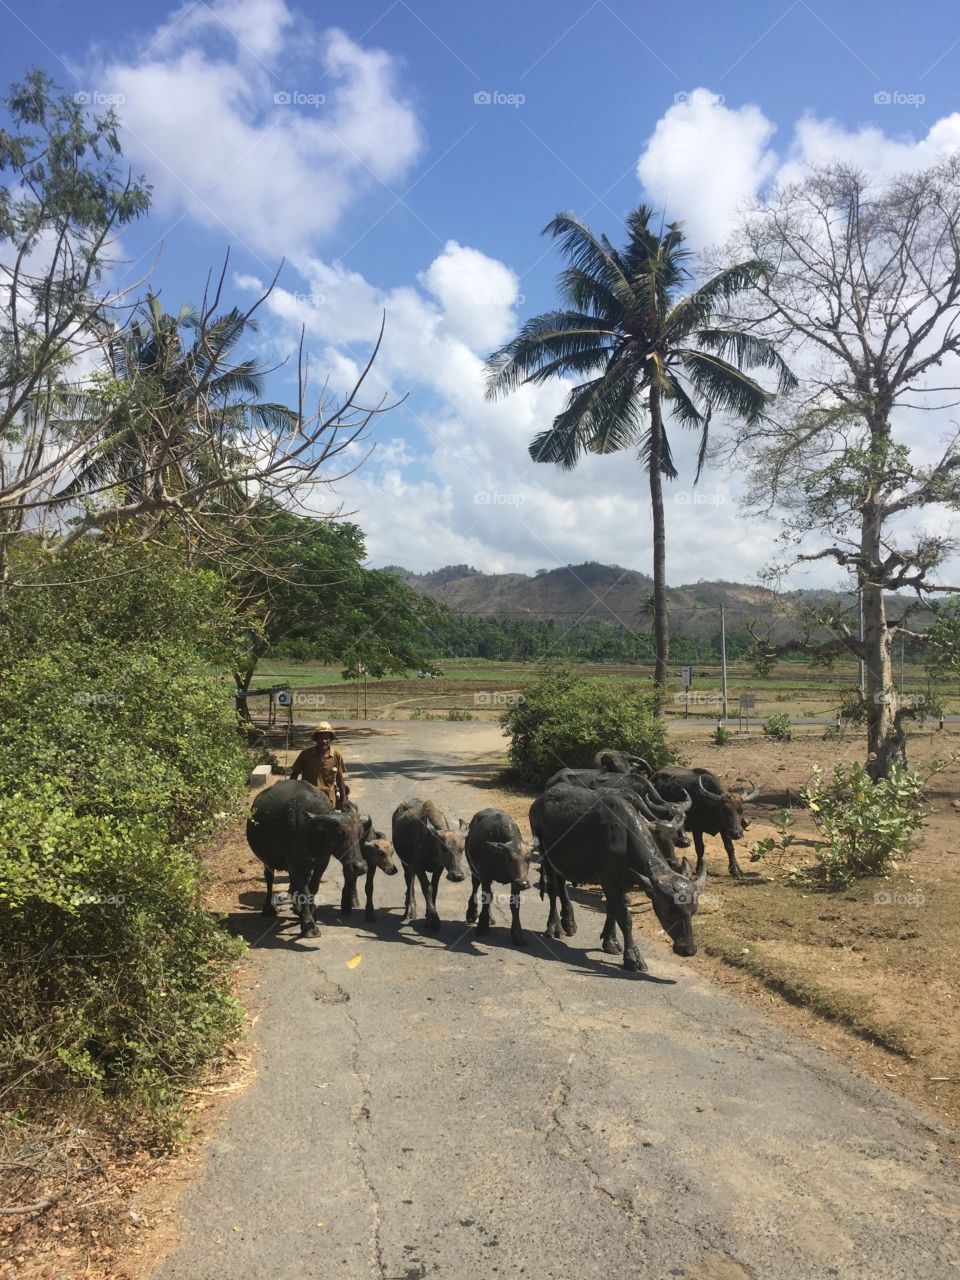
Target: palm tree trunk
x: 661, y: 633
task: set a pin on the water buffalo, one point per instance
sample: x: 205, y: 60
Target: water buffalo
x: 666, y: 818
x: 496, y: 851
x: 427, y: 846
x: 612, y: 761
x: 716, y: 810
x: 598, y: 837
x: 293, y: 827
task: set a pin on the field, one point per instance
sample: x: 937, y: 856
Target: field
x: 481, y: 689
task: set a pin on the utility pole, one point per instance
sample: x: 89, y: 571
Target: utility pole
x: 723, y: 661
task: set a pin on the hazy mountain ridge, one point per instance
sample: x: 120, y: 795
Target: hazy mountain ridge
x: 614, y: 595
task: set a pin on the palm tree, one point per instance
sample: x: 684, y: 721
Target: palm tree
x: 652, y: 351
x: 183, y: 404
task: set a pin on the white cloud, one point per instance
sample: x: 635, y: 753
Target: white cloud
x: 703, y: 159
x: 200, y: 115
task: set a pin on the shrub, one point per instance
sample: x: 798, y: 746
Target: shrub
x: 865, y: 826
x: 565, y: 719
x: 721, y: 736
x: 456, y: 714
x: 778, y: 727
x: 119, y: 751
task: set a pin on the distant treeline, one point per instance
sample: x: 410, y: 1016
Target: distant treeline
x: 518, y: 639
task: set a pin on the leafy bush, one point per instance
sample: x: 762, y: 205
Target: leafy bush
x: 865, y: 826
x: 456, y: 714
x: 778, y: 727
x: 565, y: 719
x: 721, y: 736
x: 119, y: 751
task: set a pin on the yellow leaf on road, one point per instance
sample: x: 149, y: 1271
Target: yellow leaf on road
x: 354, y: 961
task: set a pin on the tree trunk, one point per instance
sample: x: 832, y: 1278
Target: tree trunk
x: 661, y: 632
x: 886, y: 741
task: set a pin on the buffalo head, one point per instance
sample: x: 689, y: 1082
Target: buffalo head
x: 675, y: 899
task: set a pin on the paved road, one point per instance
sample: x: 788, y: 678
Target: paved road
x: 456, y: 1108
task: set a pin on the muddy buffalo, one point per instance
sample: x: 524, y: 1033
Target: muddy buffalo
x: 496, y: 852
x: 597, y: 836
x: 294, y: 827
x: 716, y: 810
x: 428, y: 846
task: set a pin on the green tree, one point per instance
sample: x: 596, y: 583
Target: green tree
x: 642, y: 351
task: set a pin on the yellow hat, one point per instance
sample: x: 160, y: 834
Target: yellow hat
x: 324, y: 727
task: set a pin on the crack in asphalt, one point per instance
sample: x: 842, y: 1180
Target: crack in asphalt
x: 362, y: 1123
x: 559, y: 1101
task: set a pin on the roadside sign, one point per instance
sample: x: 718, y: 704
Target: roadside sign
x: 285, y: 698
x: 686, y: 675
x: 747, y: 701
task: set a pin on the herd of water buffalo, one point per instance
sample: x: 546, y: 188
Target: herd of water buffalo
x: 618, y: 825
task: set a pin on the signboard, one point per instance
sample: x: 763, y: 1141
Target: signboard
x: 285, y: 698
x: 686, y: 676
x: 748, y: 701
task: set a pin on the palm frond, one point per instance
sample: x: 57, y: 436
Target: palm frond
x: 550, y: 337
x: 748, y: 352
x: 724, y: 386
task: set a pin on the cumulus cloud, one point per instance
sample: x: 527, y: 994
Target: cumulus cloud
x: 273, y: 160
x: 706, y: 160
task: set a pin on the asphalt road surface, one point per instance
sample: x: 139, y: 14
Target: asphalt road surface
x: 439, y: 1106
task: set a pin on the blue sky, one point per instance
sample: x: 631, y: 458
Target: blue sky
x: 387, y: 184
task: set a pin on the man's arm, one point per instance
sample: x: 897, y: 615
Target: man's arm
x: 296, y: 769
x: 341, y: 782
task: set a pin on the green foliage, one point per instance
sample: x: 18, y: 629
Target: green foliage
x: 721, y: 736
x: 455, y: 714
x: 778, y: 727
x: 778, y: 845
x: 119, y: 750
x: 565, y: 719
x: 864, y: 826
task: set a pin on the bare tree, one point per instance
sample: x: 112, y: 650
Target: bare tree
x: 866, y: 299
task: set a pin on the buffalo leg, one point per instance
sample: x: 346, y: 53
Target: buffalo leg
x: 369, y: 913
x: 314, y: 890
x: 732, y: 863
x: 268, y: 909
x: 410, y: 906
x: 483, y: 924
x: 553, y: 919
x: 608, y: 938
x: 471, y: 916
x: 301, y: 904
x: 516, y: 933
x: 433, y: 919
x: 348, y: 898
x: 568, y: 921
x: 698, y: 845
x: 632, y: 959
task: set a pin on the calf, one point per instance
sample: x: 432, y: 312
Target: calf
x: 496, y: 851
x: 293, y: 827
x: 715, y: 811
x: 427, y: 846
x: 598, y: 837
